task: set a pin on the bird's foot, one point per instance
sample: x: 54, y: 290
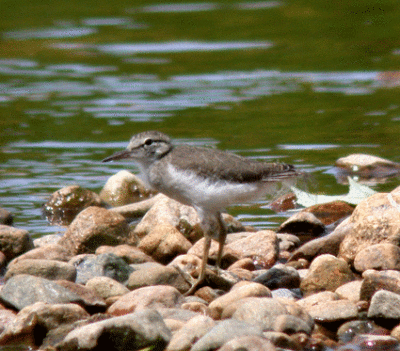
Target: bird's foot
x: 194, y: 283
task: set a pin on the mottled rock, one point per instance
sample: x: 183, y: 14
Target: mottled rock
x: 279, y: 276
x: 282, y: 340
x: 379, y: 256
x: 385, y: 308
x: 6, y: 318
x: 66, y: 203
x: 374, y: 221
x: 372, y: 342
x: 190, y: 332
x: 14, y: 242
x: 124, y: 188
x: 333, y: 311
x: 134, y: 331
x: 131, y: 254
x: 302, y: 223
x: 238, y: 292
x: 283, y: 203
x: 248, y: 343
x: 326, y: 272
x: 38, y: 316
x: 288, y: 242
x: 377, y: 280
x: 94, y: 227
x: 159, y: 275
x: 45, y: 252
x: 224, y: 332
x: 350, y: 291
x: 147, y: 297
x: 25, y: 290
x: 331, y: 212
x: 348, y: 330
x: 328, y: 244
x: 289, y: 324
x: 106, y: 287
x: 317, y: 298
x: 262, y: 247
x: 48, y: 269
x: 164, y: 242
x: 6, y: 217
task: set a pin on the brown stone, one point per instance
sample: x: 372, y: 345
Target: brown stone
x: 128, y: 253
x: 379, y: 257
x: 331, y: 212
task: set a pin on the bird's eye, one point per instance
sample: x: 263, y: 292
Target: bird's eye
x: 148, y: 142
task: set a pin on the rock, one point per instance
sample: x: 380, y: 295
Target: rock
x: 282, y: 341
x: 379, y: 256
x: 190, y: 332
x: 348, y: 330
x: 45, y: 252
x: 159, y: 275
x: 218, y: 307
x: 374, y: 281
x: 248, y: 343
x: 333, y: 311
x: 288, y: 324
x: 147, y: 297
x: 384, y: 308
x: 302, y: 224
x: 137, y: 210
x: 313, y: 300
x: 103, y: 265
x: 25, y: 290
x: 130, y: 254
x: 244, y: 263
x: 262, y: 247
x: 283, y: 203
x: 224, y: 332
x: 279, y: 276
x: 374, y: 221
x: 367, y: 166
x: 331, y: 212
x: 106, y: 287
x: 164, y: 242
x: 6, y: 318
x: 48, y: 269
x: 288, y: 242
x: 350, y: 291
x: 94, y: 227
x: 66, y: 203
x: 372, y: 342
x: 124, y: 188
x: 289, y: 294
x: 48, y: 239
x: 40, y: 316
x: 6, y: 217
x: 14, y: 242
x: 328, y: 244
x: 135, y: 331
x: 326, y: 272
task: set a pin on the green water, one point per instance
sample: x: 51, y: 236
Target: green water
x: 304, y: 82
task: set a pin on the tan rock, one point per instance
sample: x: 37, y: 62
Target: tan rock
x: 129, y: 253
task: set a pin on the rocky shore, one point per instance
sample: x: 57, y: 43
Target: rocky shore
x: 327, y: 279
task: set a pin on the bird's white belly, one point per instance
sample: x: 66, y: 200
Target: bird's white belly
x: 189, y: 188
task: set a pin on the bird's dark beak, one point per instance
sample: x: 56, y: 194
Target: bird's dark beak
x: 118, y: 156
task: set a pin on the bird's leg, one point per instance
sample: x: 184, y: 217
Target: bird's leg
x: 200, y: 279
x: 221, y: 240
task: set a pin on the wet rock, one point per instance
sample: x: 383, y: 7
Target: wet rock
x: 148, y: 297
x: 279, y: 276
x: 376, y: 280
x: 372, y: 342
x: 333, y: 311
x: 283, y: 203
x: 350, y: 291
x: 288, y: 324
x: 25, y: 290
x: 6, y: 217
x: 367, y: 166
x: 347, y: 331
x: 124, y: 188
x: 48, y: 269
x: 14, y: 242
x: 262, y: 247
x: 331, y: 212
x: 218, y: 307
x: 248, y: 343
x: 190, y: 332
x: 46, y: 252
x: 33, y: 322
x: 304, y: 224
x: 135, y: 331
x: 380, y: 257
x: 106, y: 287
x: 130, y: 254
x: 326, y: 272
x: 103, y: 265
x: 164, y: 242
x: 90, y: 300
x: 384, y: 308
x: 159, y: 275
x: 328, y: 244
x: 94, y: 227
x: 374, y: 221
x: 224, y: 332
x: 66, y: 203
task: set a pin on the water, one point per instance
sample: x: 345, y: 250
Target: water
x: 302, y: 82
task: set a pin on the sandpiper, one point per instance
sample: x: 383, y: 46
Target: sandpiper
x: 205, y: 178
